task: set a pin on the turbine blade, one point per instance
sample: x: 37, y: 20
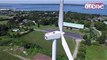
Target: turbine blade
x: 66, y: 48
x: 60, y: 19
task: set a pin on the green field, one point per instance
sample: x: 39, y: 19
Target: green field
x: 3, y: 22
x: 96, y: 53
x: 4, y: 17
x: 6, y: 56
x: 38, y: 38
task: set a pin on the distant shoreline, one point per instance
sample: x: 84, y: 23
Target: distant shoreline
x: 42, y: 4
x: 37, y: 4
x: 52, y: 7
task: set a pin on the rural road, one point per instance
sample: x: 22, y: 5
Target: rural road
x: 76, y: 48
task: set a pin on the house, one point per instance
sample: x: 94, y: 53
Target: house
x: 73, y: 25
x: 6, y: 11
x: 25, y: 21
x: 34, y: 22
x: 15, y: 30
x: 98, y: 19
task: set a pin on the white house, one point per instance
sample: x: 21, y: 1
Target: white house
x: 73, y: 25
x: 15, y: 30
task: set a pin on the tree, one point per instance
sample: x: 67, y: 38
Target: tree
x: 100, y: 26
x: 88, y: 42
x: 82, y: 52
x: 45, y: 21
x: 85, y: 37
x: 56, y: 23
x: 81, y: 56
x: 87, y: 23
x: 3, y: 30
x: 38, y: 24
x: 102, y: 38
x: 5, y: 42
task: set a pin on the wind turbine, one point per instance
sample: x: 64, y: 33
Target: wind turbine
x: 55, y: 35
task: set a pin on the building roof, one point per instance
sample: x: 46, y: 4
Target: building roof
x: 15, y: 30
x: 79, y: 26
x: 4, y: 9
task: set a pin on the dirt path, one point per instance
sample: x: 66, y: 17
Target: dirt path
x: 76, y: 48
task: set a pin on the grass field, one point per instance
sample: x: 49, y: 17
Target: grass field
x: 38, y: 38
x: 6, y: 56
x: 96, y: 53
x: 3, y: 22
x: 4, y: 16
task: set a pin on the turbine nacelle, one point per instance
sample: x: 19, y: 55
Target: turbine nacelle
x: 53, y: 35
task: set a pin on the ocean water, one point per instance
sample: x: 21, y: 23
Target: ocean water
x: 53, y: 7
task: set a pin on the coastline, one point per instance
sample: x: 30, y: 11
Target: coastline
x: 79, y: 8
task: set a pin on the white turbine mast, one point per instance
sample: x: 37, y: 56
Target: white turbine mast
x: 55, y: 35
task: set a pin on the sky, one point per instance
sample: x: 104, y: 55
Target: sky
x: 52, y: 1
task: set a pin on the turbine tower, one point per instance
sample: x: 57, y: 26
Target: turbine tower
x: 55, y: 35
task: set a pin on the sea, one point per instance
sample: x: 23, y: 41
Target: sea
x: 53, y: 7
